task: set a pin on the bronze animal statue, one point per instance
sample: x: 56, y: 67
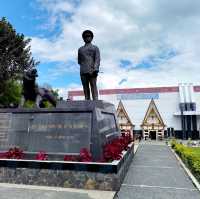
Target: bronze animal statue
x: 32, y: 92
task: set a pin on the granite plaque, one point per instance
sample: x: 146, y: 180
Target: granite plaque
x: 70, y: 126
x: 108, y: 123
x: 51, y: 132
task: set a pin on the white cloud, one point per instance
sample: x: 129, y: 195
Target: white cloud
x: 129, y: 29
x: 63, y: 91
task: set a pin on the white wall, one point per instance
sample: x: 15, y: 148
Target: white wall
x: 167, y: 104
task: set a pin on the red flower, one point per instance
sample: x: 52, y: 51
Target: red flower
x: 13, y: 153
x: 113, y: 150
x: 71, y: 158
x: 41, y: 156
x: 2, y: 155
x: 85, y: 155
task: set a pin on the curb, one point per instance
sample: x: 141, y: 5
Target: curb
x: 188, y: 172
x: 135, y: 150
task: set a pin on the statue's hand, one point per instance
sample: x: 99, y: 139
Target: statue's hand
x: 95, y: 73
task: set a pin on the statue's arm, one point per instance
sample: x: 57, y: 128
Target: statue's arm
x: 97, y: 60
x: 79, y: 57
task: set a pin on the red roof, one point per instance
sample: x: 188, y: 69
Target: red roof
x: 168, y: 89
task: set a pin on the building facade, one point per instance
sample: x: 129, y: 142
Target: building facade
x: 157, y: 112
x: 123, y: 118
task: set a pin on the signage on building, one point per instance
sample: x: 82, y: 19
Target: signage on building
x: 137, y: 96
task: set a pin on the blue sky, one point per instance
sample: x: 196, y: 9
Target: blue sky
x: 28, y: 17
x: 22, y: 15
x: 155, y: 45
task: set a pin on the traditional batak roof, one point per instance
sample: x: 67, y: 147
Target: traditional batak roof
x: 152, y: 109
x: 121, y: 110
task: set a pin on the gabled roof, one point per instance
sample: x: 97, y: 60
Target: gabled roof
x: 121, y: 109
x: 153, y: 108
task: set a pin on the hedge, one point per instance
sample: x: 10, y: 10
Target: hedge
x: 189, y: 157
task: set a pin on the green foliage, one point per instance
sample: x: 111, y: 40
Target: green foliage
x: 12, y: 93
x: 55, y: 93
x: 15, y: 55
x: 47, y: 104
x: 190, y: 156
x: 29, y: 104
x: 173, y: 143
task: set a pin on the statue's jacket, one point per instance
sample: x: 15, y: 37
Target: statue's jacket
x: 88, y: 58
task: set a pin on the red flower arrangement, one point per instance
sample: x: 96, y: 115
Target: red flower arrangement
x: 73, y: 158
x: 13, y: 153
x: 113, y: 150
x: 84, y: 156
x: 41, y: 156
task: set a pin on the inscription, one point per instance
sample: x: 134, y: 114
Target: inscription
x: 52, y: 132
x: 60, y: 137
x: 77, y: 125
x: 5, y: 120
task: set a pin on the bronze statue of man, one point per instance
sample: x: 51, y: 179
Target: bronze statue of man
x: 89, y: 61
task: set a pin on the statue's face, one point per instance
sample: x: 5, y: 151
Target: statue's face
x: 87, y: 38
x: 32, y: 73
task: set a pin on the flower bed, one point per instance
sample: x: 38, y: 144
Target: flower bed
x: 189, y: 156
x: 111, y: 151
x: 12, y: 153
x: 69, y: 174
x: 74, y: 171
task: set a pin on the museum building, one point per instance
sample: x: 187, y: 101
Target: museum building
x: 155, y: 112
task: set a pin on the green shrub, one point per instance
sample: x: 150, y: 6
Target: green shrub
x: 29, y: 104
x: 47, y: 104
x: 189, y: 156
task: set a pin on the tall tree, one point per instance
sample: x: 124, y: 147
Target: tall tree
x: 12, y: 94
x: 15, y: 55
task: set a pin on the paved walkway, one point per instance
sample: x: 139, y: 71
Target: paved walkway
x: 16, y: 191
x: 12, y: 191
x: 156, y: 174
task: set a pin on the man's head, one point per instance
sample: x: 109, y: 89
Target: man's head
x: 87, y: 36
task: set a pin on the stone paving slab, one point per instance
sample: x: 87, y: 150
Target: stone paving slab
x: 156, y: 174
x: 160, y: 150
x: 155, y: 161
x: 167, y: 177
x: 156, y: 193
x: 13, y: 191
x: 154, y: 156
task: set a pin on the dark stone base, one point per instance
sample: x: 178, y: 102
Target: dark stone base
x: 101, y: 176
x: 66, y: 129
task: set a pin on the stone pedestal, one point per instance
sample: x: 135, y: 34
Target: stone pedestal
x: 66, y: 129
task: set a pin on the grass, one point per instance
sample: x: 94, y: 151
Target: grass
x: 194, y: 150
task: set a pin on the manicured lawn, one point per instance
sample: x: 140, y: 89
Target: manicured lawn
x: 195, y: 150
